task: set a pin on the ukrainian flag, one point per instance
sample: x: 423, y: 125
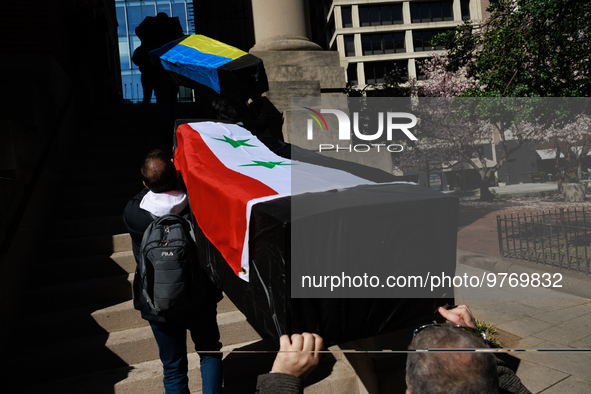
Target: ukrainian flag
x: 226, y: 70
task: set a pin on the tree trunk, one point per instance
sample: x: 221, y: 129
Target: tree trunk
x: 485, y: 193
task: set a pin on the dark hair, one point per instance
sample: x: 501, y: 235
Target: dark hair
x: 223, y: 109
x: 158, y: 172
x: 450, y: 373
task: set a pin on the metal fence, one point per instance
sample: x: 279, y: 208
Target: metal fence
x: 560, y: 238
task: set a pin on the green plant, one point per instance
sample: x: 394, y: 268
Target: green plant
x: 491, y: 333
x: 541, y: 173
x: 574, y: 179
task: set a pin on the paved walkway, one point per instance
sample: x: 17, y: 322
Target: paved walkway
x: 525, y: 189
x: 554, y: 327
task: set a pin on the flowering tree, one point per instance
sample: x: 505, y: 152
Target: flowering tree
x: 573, y: 140
x: 455, y: 130
x: 526, y: 48
x: 531, y: 48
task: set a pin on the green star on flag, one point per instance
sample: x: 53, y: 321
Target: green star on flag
x: 236, y: 143
x: 268, y: 164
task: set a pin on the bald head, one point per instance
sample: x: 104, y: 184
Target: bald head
x: 450, y: 373
x: 158, y: 172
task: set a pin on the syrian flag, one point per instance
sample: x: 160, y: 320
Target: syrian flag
x: 227, y: 170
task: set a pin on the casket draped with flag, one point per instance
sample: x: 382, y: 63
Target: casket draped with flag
x: 246, y: 223
x: 196, y: 61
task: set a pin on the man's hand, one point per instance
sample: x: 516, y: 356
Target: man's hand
x: 299, y: 355
x: 459, y: 315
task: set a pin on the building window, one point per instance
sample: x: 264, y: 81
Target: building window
x: 465, y: 6
x: 431, y: 11
x: 380, y: 15
x: 349, y: 45
x: 422, y: 39
x: 346, y: 17
x: 375, y: 71
x: 352, y: 74
x: 378, y: 44
x: 121, y: 21
x: 129, y: 15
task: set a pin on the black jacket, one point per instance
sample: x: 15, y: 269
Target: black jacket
x: 137, y: 221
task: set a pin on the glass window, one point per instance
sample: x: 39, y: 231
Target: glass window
x: 436, y: 12
x: 402, y: 67
x: 134, y: 17
x: 376, y: 43
x: 121, y: 21
x: 415, y: 12
x: 124, y: 53
x: 397, y: 14
x: 465, y: 6
x: 346, y: 17
x: 425, y: 12
x: 370, y: 72
x: 163, y: 6
x: 148, y: 9
x: 352, y: 74
x: 375, y: 71
x: 380, y: 15
x: 388, y: 43
x: 431, y: 11
x: 399, y: 43
x: 422, y: 39
x: 374, y: 16
x: 386, y: 15
x: 349, y: 45
x: 135, y: 42
x: 179, y: 10
x: 366, y: 44
x: 363, y: 16
x: 446, y: 11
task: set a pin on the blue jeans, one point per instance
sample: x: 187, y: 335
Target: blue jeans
x: 172, y: 346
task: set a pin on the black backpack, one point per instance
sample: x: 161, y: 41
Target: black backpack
x: 168, y: 271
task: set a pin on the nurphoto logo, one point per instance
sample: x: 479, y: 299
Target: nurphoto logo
x: 392, y: 121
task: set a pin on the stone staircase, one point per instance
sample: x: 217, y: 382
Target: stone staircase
x: 80, y: 333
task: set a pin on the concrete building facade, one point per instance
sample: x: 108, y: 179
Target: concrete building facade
x: 372, y: 36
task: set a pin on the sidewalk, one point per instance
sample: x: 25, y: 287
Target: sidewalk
x: 523, y: 190
x: 552, y: 327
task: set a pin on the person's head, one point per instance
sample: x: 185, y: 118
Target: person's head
x: 158, y: 172
x: 450, y: 373
x: 223, y: 109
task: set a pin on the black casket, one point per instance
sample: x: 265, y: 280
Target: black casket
x: 413, y: 229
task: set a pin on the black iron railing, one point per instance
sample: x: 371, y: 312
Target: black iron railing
x: 560, y: 238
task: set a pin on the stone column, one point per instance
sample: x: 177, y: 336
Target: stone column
x: 280, y: 25
x: 295, y: 66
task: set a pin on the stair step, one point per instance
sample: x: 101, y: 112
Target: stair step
x: 92, y: 210
x: 98, y: 193
x: 83, y: 268
x: 90, y: 321
x: 88, y: 226
x: 109, y: 290
x: 104, y: 352
x: 105, y: 178
x: 144, y: 378
x: 87, y: 246
x: 330, y: 377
